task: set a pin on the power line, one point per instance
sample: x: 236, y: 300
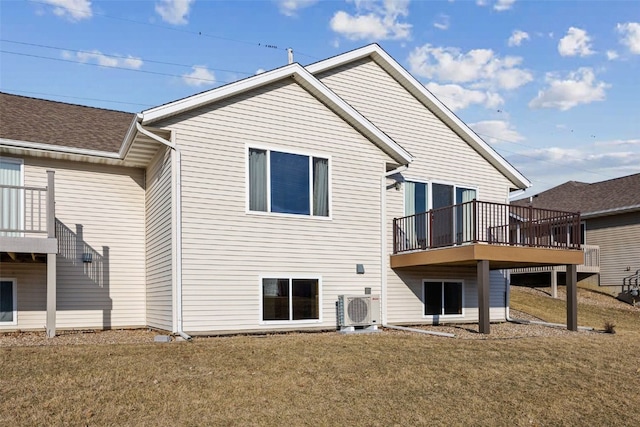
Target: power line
x: 118, y: 56
x: 75, y: 97
x: 179, y: 30
x: 112, y: 67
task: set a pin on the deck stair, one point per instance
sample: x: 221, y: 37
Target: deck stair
x: 631, y: 289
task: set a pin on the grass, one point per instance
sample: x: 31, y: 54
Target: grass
x: 386, y: 379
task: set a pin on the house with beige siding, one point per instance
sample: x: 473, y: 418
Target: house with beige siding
x: 609, y: 231
x: 255, y: 206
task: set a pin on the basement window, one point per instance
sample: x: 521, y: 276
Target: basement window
x: 8, y: 302
x: 443, y: 298
x: 289, y: 299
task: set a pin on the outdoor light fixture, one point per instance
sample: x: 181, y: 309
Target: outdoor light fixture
x: 359, y: 268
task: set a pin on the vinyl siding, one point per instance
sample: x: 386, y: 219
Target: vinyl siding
x: 619, y: 239
x: 226, y: 249
x: 440, y: 155
x: 102, y: 206
x: 31, y: 281
x: 159, y: 242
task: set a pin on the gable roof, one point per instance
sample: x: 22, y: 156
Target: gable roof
x: 417, y: 89
x: 305, y: 79
x: 39, y: 121
x: 598, y: 199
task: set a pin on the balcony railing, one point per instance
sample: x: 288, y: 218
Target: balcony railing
x: 486, y: 222
x: 27, y: 211
x: 591, y: 263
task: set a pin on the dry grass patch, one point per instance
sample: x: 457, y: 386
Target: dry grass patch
x: 386, y: 379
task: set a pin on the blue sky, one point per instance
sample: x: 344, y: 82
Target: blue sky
x: 553, y: 86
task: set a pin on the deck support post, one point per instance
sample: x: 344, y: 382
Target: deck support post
x: 483, y: 296
x: 51, y: 295
x: 572, y: 297
x: 51, y: 258
x: 554, y: 283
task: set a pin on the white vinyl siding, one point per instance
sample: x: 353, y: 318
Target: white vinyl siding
x: 159, y: 273
x: 226, y: 251
x: 440, y: 155
x: 103, y: 208
x: 31, y: 289
x: 618, y: 237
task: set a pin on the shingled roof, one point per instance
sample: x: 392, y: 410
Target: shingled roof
x: 573, y: 196
x: 57, y: 123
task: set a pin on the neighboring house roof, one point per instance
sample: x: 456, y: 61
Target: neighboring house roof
x: 304, y: 79
x: 423, y: 95
x: 602, y: 198
x: 39, y: 121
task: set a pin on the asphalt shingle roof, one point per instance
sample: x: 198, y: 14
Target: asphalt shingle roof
x: 57, y: 123
x: 582, y: 197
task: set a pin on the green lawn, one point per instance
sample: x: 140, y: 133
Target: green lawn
x: 385, y: 379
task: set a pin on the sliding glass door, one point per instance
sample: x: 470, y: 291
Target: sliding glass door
x: 416, y: 203
x: 10, y: 198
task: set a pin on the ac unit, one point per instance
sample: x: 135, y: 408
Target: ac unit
x: 358, y: 310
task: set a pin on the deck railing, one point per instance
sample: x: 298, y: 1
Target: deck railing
x: 591, y: 263
x: 486, y: 222
x: 27, y: 210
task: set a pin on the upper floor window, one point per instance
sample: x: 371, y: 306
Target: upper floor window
x: 288, y: 183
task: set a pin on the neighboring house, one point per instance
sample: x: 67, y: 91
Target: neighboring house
x: 610, y: 229
x: 253, y: 206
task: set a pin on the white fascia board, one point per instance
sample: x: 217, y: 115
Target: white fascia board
x: 418, y: 90
x: 352, y: 116
x: 302, y: 77
x: 130, y: 136
x: 27, y: 145
x: 213, y: 95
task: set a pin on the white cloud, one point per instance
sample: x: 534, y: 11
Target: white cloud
x: 174, y: 11
x: 199, y: 76
x: 517, y: 36
x: 456, y: 97
x: 74, y: 10
x: 630, y: 36
x: 291, y: 7
x: 502, y: 5
x: 260, y: 71
x: 579, y: 87
x: 618, y: 143
x: 374, y: 21
x: 496, y: 131
x: 97, y: 57
x: 611, y: 55
x: 480, y: 68
x: 576, y: 42
x: 442, y: 23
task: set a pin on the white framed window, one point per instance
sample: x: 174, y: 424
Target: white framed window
x: 288, y: 183
x: 8, y: 302
x: 443, y: 298
x: 286, y: 299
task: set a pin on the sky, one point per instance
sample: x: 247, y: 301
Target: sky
x: 553, y: 86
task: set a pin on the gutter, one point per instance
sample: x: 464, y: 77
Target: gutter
x: 383, y: 237
x: 177, y: 191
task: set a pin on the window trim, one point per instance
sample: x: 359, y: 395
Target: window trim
x: 310, y: 154
x: 14, y: 289
x: 443, y: 316
x: 290, y: 277
x: 429, y: 183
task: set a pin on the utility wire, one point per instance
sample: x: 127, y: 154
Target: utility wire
x: 165, y: 27
x: 111, y: 67
x: 118, y: 56
x: 75, y: 97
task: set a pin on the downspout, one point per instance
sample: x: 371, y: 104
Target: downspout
x: 178, y: 236
x: 383, y: 237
